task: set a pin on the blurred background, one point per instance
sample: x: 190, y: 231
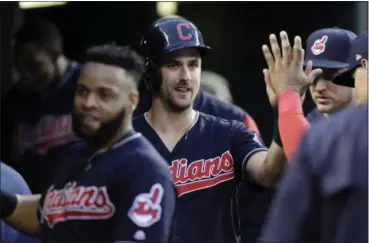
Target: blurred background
x: 235, y: 31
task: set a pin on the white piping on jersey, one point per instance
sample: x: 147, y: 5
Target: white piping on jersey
x: 117, y: 145
x: 247, y: 157
x: 193, y: 124
x: 188, y: 130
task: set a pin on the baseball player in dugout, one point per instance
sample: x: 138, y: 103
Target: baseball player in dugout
x: 327, y: 51
x: 112, y: 185
x: 206, y: 102
x: 207, y: 156
x: 328, y: 178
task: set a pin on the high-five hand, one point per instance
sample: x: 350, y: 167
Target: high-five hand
x: 270, y: 91
x: 286, y: 68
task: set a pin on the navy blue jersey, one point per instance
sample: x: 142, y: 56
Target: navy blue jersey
x: 314, y: 116
x: 252, y: 204
x: 324, y: 194
x: 36, y: 126
x: 124, y: 193
x: 210, y: 104
x: 248, y: 214
x: 206, y: 164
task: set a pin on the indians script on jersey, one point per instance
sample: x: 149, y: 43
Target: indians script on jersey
x: 201, y: 174
x: 49, y: 131
x: 75, y: 203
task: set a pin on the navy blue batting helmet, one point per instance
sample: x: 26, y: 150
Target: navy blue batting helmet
x: 166, y: 35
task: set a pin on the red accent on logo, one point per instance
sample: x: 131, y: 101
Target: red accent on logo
x: 201, y: 174
x: 146, y: 209
x: 319, y: 45
x: 180, y: 32
x: 77, y: 203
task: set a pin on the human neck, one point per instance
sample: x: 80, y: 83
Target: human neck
x: 166, y: 121
x: 352, y: 102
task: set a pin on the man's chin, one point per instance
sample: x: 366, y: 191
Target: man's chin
x: 178, y: 105
x: 181, y: 106
x: 325, y: 108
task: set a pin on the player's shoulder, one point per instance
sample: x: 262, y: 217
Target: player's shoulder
x: 213, y: 120
x: 349, y: 121
x: 219, y: 122
x: 141, y: 155
x: 210, y: 104
x: 337, y: 137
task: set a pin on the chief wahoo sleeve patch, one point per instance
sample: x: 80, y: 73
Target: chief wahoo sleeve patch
x: 146, y: 209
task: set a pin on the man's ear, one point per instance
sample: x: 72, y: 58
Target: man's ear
x: 364, y: 63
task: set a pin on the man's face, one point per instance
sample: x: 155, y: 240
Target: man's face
x: 361, y: 82
x: 181, y: 71
x: 104, y: 98
x: 35, y: 66
x: 328, y: 96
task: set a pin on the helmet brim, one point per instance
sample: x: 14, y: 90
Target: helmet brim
x: 203, y: 49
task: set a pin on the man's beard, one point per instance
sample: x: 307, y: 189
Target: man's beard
x: 173, y: 106
x: 105, y: 133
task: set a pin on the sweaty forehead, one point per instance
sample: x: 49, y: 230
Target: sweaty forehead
x: 99, y: 74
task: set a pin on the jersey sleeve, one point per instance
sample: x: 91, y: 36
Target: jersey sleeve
x: 291, y: 217
x: 151, y: 205
x: 250, y: 123
x: 244, y: 144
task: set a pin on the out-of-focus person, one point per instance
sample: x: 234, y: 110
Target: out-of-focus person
x: 36, y: 113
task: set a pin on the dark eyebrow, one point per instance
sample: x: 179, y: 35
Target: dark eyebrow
x: 105, y: 88
x: 194, y: 60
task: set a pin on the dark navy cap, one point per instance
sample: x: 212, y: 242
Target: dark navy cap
x: 329, y: 48
x: 172, y: 33
x: 358, y: 51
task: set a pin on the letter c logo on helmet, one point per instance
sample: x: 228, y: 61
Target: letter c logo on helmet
x: 180, y: 33
x: 166, y: 35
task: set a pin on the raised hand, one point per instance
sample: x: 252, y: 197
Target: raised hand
x: 285, y: 68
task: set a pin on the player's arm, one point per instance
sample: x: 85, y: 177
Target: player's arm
x: 286, y: 78
x: 20, y: 212
x: 291, y: 121
x: 258, y: 164
x: 152, y: 199
x: 291, y: 218
x: 266, y: 167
